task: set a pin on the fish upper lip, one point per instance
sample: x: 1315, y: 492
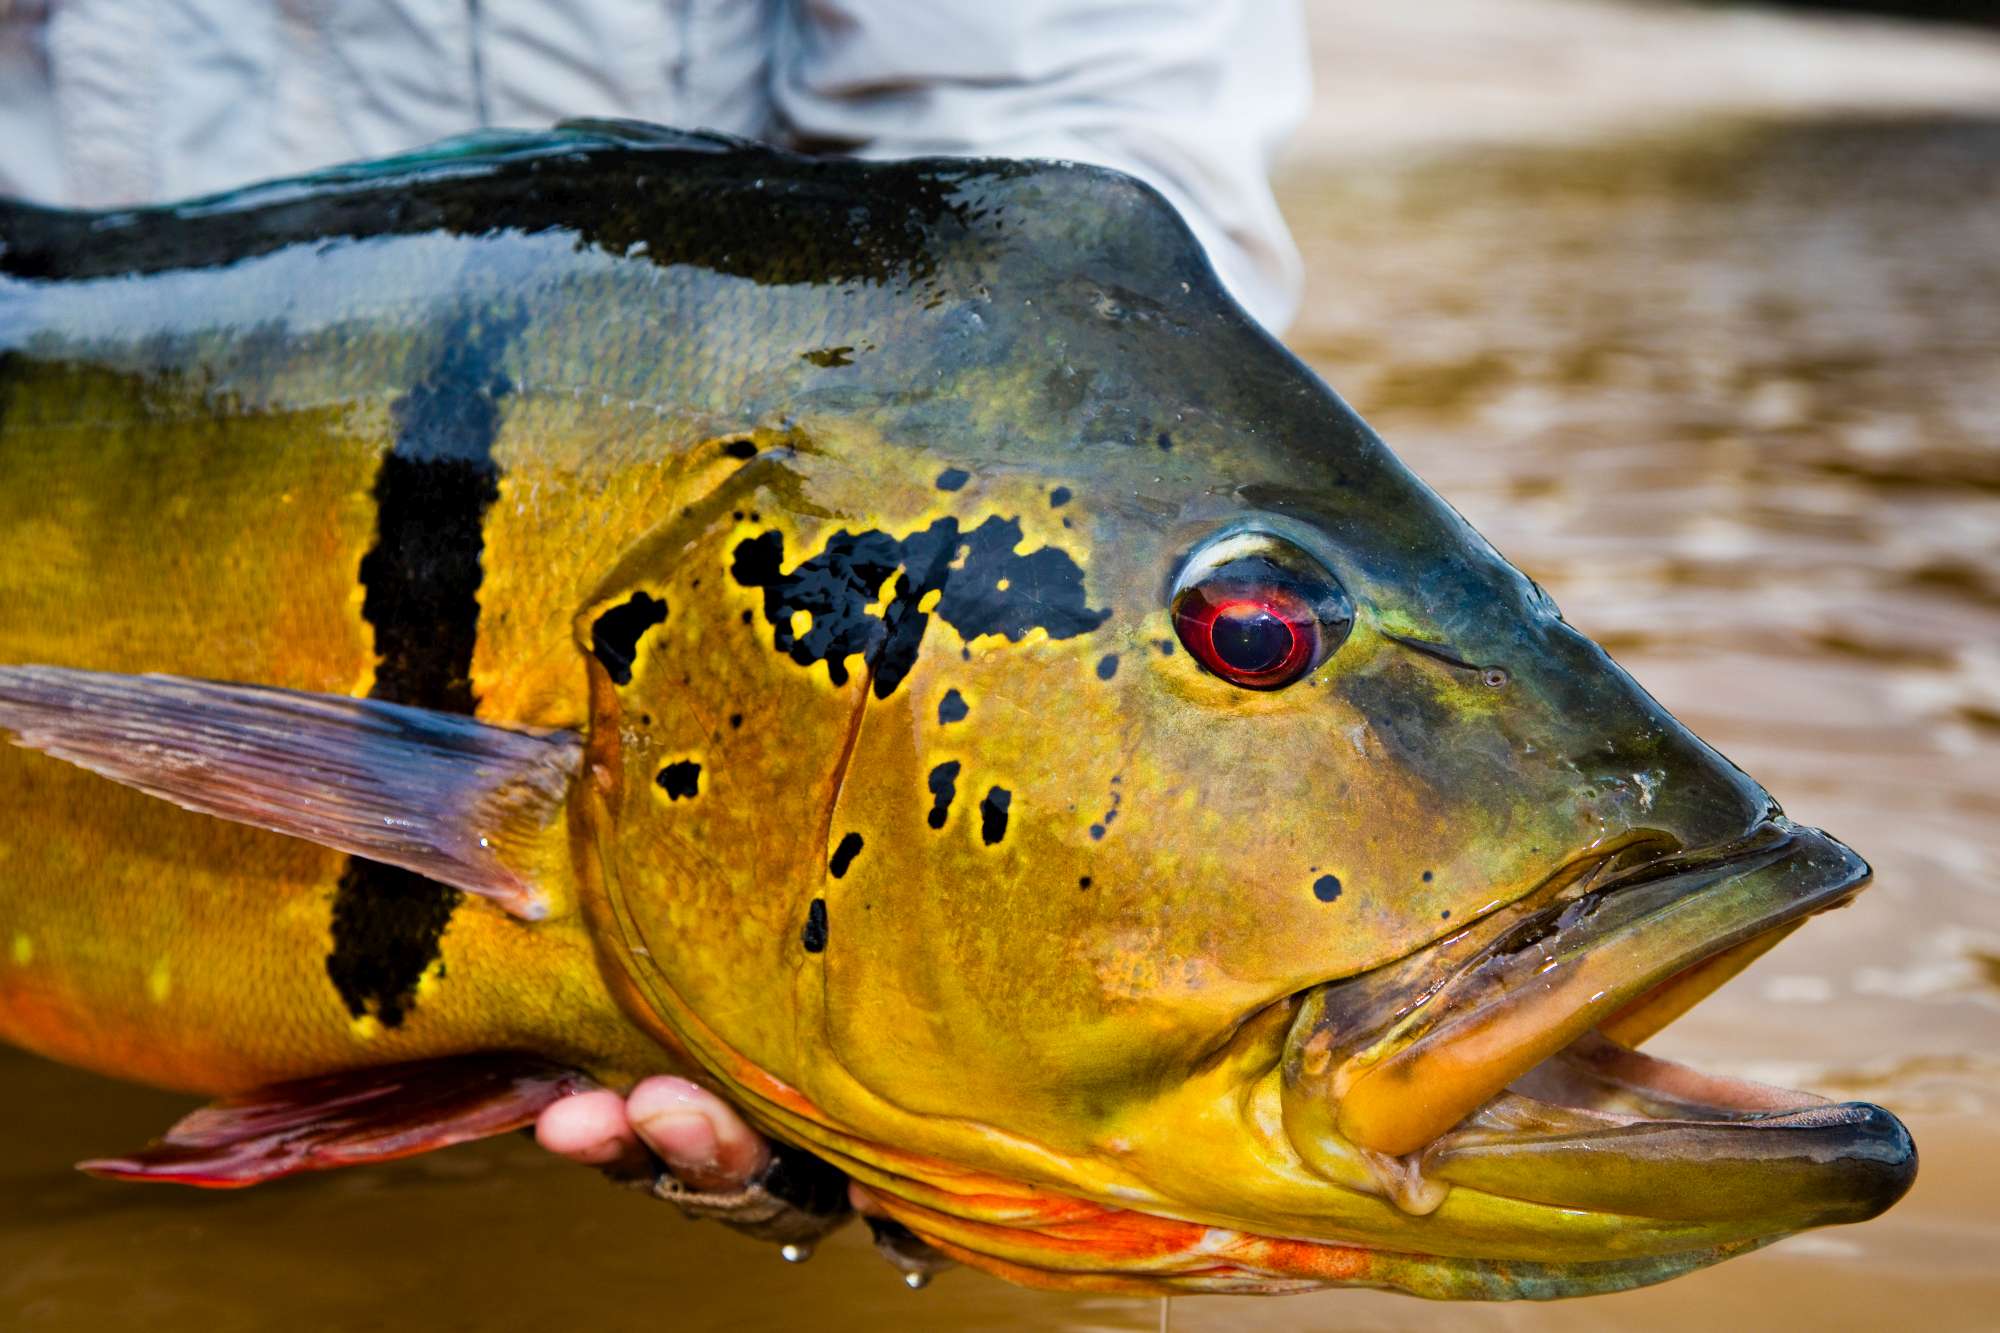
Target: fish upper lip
x: 1479, y: 1009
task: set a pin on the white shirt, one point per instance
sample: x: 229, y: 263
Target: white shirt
x: 111, y: 102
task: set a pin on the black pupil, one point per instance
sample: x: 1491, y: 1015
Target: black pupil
x: 1251, y: 639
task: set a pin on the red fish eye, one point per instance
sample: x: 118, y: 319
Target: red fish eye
x: 1258, y: 638
x: 1257, y: 610
x: 1251, y: 638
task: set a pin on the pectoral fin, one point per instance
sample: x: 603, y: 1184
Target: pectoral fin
x: 449, y: 797
x: 348, y: 1119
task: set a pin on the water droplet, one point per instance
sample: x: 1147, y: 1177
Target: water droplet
x: 916, y: 1281
x: 796, y: 1254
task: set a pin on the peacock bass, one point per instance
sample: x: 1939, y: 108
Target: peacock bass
x: 892, y: 641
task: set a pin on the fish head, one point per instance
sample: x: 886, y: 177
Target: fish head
x: 1087, y: 788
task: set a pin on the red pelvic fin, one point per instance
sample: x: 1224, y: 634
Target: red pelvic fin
x: 348, y: 1119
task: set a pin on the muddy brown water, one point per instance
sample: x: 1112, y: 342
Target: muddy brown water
x: 1735, y: 400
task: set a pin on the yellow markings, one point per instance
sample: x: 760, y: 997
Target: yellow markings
x: 802, y: 623
x: 365, y: 1028
x: 159, y: 982
x: 929, y: 601
x: 1003, y: 585
x: 1394, y: 620
x: 23, y: 951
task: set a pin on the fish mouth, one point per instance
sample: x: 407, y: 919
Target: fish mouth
x: 1501, y: 1058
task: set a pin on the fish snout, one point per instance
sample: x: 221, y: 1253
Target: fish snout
x: 1511, y: 1041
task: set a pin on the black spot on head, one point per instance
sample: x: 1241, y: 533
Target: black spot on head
x: 1445, y: 915
x: 1096, y: 832
x: 1043, y: 589
x: 993, y: 814
x: 953, y: 479
x: 1326, y: 888
x: 735, y: 720
x: 746, y: 616
x: 744, y: 449
x: 614, y: 636
x: 1107, y: 666
x: 843, y: 855
x: 1083, y: 882
x: 1166, y: 647
x: 952, y: 708
x: 813, y: 936
x: 1059, y: 497
x: 1165, y: 440
x: 680, y: 778
x: 1427, y: 877
x: 944, y: 786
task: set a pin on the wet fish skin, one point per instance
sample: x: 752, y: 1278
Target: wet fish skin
x: 744, y: 466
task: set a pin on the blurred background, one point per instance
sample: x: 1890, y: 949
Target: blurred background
x: 1694, y: 309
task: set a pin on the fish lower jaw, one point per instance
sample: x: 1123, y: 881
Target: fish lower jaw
x: 1594, y: 1089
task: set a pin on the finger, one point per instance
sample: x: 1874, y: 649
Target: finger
x: 591, y: 1128
x: 698, y: 1135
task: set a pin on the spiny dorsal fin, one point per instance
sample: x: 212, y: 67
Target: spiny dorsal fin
x: 348, y: 1119
x: 451, y: 798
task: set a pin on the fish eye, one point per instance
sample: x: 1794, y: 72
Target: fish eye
x: 1258, y: 611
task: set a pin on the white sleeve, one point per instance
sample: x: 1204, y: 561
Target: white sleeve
x: 1193, y: 96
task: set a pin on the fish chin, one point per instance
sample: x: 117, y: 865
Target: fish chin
x: 1499, y: 1062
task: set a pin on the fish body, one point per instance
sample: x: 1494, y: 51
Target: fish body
x: 894, y: 641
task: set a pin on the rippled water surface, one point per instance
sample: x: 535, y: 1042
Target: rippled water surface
x: 1735, y: 400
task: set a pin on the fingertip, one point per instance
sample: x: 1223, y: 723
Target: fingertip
x: 699, y: 1136
x: 589, y: 1127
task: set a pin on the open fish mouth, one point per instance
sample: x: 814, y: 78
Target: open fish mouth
x: 1501, y: 1058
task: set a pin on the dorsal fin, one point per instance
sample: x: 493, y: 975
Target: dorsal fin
x: 457, y: 800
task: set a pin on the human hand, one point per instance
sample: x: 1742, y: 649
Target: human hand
x: 689, y: 1146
